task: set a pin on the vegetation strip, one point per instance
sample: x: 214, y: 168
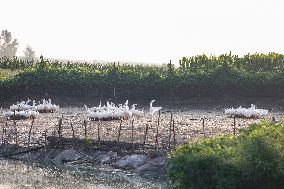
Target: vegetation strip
x: 252, y: 74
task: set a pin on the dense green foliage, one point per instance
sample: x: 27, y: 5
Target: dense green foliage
x: 254, y: 159
x: 256, y: 74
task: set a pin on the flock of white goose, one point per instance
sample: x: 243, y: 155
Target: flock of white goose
x: 111, y: 111
x: 24, y: 110
x: 246, y: 112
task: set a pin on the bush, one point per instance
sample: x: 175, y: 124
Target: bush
x: 254, y: 159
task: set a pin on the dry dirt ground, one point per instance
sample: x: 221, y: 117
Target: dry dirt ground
x: 188, y: 126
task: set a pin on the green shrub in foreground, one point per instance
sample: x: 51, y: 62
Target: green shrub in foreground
x: 255, y: 159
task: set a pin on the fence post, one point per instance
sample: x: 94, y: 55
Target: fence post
x: 145, y: 136
x: 170, y: 134
x: 14, y: 120
x: 73, y: 132
x: 45, y: 141
x: 3, y: 131
x: 2, y: 138
x: 132, y: 134
x: 16, y: 130
x: 119, y: 129
x: 85, y: 129
x: 99, y: 139
x: 60, y: 127
x: 14, y: 125
x: 174, y: 134
x: 30, y: 131
x: 157, y: 132
x: 203, y: 125
x: 234, y: 125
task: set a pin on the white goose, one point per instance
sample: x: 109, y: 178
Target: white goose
x: 135, y: 112
x: 152, y: 109
x: 88, y: 110
x: 14, y: 107
x: 34, y: 107
x: 23, y: 113
x: 47, y: 106
x: 127, y: 113
x: 52, y: 106
x: 8, y: 114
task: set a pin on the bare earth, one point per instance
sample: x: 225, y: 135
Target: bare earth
x: 188, y: 126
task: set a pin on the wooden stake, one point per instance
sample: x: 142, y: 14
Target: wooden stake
x: 73, y: 132
x: 5, y: 128
x: 234, y: 125
x: 60, y: 127
x: 16, y: 130
x: 2, y: 138
x: 119, y: 129
x: 132, y: 134
x: 203, y: 125
x: 170, y: 130
x: 3, y: 131
x: 30, y: 131
x: 157, y: 132
x: 14, y: 120
x: 45, y: 135
x: 5, y: 139
x: 85, y: 129
x: 174, y: 134
x: 99, y: 140
x: 145, y: 136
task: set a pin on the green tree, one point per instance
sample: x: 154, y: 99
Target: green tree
x: 29, y: 53
x: 8, y: 45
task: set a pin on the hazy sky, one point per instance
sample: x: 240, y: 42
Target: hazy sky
x: 144, y: 30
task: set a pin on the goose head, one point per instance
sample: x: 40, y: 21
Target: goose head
x: 151, y: 103
x: 86, y: 108
x: 28, y: 101
x: 133, y: 106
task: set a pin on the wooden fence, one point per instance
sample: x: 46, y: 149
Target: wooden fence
x: 54, y: 138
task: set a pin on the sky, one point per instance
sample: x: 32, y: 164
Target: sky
x: 150, y: 31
